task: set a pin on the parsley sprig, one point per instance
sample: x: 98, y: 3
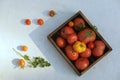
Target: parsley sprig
x: 35, y: 61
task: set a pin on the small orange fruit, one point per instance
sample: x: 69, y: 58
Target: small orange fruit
x: 24, y: 48
x: 71, y: 24
x: 27, y: 21
x: 21, y: 63
x: 40, y: 21
x: 51, y: 13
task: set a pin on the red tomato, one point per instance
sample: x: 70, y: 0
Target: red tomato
x: 40, y: 21
x: 86, y: 53
x: 72, y: 55
x: 27, y: 21
x: 66, y: 31
x: 82, y: 63
x: 90, y: 45
x: 96, y: 52
x: 99, y: 48
x: 86, y: 35
x: 99, y: 44
x: 79, y: 22
x: 60, y: 42
x: 71, y: 38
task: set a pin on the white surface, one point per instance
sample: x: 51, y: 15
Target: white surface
x: 105, y: 14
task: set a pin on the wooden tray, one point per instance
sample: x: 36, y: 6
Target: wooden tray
x: 53, y: 35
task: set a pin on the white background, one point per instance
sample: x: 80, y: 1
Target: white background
x: 105, y: 14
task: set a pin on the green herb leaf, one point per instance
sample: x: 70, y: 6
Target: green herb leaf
x: 95, y: 28
x: 26, y: 57
x: 89, y: 34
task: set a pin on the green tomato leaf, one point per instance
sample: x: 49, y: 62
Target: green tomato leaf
x: 89, y: 34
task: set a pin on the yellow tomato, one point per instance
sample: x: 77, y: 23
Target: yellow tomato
x: 79, y: 46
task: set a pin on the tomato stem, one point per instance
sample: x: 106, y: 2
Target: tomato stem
x: 18, y: 53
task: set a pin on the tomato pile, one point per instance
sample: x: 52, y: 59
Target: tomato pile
x: 80, y: 43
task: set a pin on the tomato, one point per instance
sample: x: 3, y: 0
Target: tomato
x: 79, y: 46
x: 86, y: 53
x: 51, y: 13
x: 90, y: 45
x: 86, y: 35
x: 96, y: 52
x: 66, y: 31
x: 99, y: 44
x: 99, y: 48
x: 24, y: 48
x: 60, y: 42
x: 27, y: 21
x: 72, y: 55
x: 21, y: 63
x: 72, y: 38
x: 82, y: 63
x: 40, y: 21
x: 71, y: 24
x: 79, y: 21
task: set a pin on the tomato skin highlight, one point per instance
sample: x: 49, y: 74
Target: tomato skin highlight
x: 72, y: 55
x: 60, y: 42
x: 82, y: 63
x: 21, y: 63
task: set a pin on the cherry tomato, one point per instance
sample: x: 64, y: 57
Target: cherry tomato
x: 71, y: 24
x: 82, y: 63
x: 66, y: 31
x: 21, y: 63
x: 71, y: 38
x: 24, y: 48
x: 27, y: 21
x: 72, y: 55
x: 51, y: 13
x: 86, y: 53
x: 60, y: 42
x: 90, y: 45
x: 40, y: 21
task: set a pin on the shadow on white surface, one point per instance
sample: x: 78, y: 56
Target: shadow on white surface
x: 19, y: 47
x: 45, y: 13
x: 34, y: 21
x: 39, y: 37
x: 23, y: 21
x: 15, y: 63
